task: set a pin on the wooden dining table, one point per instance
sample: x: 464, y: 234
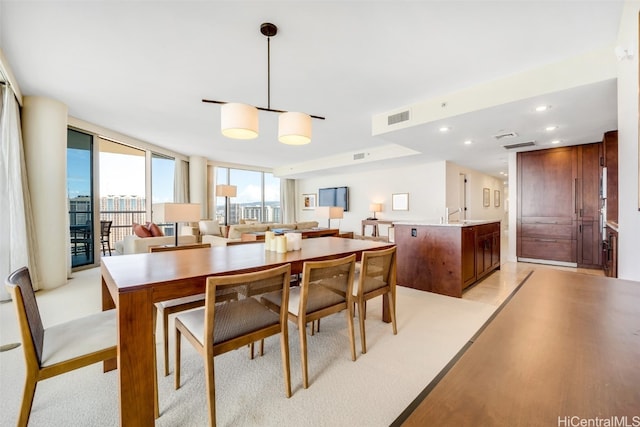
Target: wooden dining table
x: 132, y: 283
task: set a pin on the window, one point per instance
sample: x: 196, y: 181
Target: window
x: 258, y: 196
x: 80, y: 196
x: 122, y: 187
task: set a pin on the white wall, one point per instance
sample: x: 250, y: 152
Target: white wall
x: 426, y: 184
x: 476, y: 182
x: 629, y: 216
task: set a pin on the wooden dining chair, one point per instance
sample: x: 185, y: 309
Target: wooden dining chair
x: 377, y: 277
x: 105, y: 236
x: 219, y: 328
x: 166, y: 308
x: 60, y: 348
x: 326, y: 288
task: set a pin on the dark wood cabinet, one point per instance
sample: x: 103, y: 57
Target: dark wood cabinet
x: 610, y: 149
x: 610, y: 252
x: 559, y: 205
x: 446, y: 259
x: 589, y: 204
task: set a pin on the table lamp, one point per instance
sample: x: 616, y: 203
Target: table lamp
x: 330, y: 212
x: 175, y: 212
x: 226, y: 191
x: 375, y: 207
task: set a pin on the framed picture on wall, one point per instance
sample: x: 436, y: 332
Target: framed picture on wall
x: 400, y: 202
x: 308, y: 201
x: 496, y: 198
x: 486, y: 197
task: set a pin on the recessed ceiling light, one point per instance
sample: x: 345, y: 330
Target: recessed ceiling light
x: 542, y: 107
x: 444, y: 129
x: 550, y: 128
x: 467, y: 142
x: 555, y: 141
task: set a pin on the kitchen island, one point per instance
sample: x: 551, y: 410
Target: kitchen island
x: 446, y: 258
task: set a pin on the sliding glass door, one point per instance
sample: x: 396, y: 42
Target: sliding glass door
x: 80, y: 197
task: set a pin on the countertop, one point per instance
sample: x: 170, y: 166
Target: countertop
x: 612, y: 225
x: 467, y: 223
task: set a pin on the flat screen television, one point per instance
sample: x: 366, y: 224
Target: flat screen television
x: 334, y: 196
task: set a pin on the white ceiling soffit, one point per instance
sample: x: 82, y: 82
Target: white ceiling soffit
x: 350, y: 160
x: 595, y: 66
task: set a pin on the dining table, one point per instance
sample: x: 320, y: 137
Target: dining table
x: 133, y: 283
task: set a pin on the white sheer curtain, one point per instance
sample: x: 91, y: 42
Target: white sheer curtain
x: 17, y: 245
x: 288, y: 200
x: 181, y: 182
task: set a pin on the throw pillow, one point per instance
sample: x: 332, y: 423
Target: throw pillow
x: 140, y: 230
x: 155, y: 230
x: 209, y: 227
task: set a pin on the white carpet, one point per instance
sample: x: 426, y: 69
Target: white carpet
x: 372, y: 391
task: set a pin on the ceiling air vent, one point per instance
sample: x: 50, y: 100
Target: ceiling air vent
x: 519, y: 145
x: 358, y: 156
x: 505, y: 135
x: 398, y: 118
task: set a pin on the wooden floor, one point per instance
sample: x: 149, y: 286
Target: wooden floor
x: 563, y: 347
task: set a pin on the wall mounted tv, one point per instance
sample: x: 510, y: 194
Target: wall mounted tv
x: 334, y: 196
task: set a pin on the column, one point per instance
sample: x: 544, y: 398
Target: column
x: 198, y: 183
x: 44, y: 131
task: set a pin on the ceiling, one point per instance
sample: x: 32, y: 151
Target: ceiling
x: 142, y: 69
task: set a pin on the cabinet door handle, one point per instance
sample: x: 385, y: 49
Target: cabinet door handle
x: 546, y: 240
x: 575, y: 194
x: 580, y: 228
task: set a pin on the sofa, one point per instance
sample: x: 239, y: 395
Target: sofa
x: 133, y: 244
x: 233, y: 233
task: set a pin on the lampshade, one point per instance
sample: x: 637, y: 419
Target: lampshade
x: 375, y: 207
x: 294, y: 128
x: 176, y: 212
x: 336, y: 212
x: 223, y: 190
x: 239, y: 121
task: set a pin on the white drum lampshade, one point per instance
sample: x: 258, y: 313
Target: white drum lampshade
x: 294, y: 128
x: 239, y: 121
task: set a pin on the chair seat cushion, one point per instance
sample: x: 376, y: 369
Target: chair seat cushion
x: 79, y: 337
x: 319, y: 297
x: 180, y: 301
x: 232, y: 320
x: 370, y: 284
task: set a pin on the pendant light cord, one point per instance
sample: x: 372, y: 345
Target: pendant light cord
x: 269, y: 72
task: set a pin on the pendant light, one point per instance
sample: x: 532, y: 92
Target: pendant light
x: 240, y: 121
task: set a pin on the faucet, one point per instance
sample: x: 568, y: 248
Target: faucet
x: 448, y: 213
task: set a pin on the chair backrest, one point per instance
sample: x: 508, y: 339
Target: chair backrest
x: 178, y: 248
x: 378, y: 270
x: 249, y: 285
x: 105, y: 228
x: 31, y: 328
x: 335, y: 275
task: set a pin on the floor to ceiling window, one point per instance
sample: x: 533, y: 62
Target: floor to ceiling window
x: 258, y: 196
x: 122, y: 187
x: 162, y: 181
x: 80, y: 197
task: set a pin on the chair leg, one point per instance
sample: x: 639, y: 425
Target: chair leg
x: 165, y: 335
x: 27, y: 401
x: 352, y: 335
x: 361, y: 319
x: 302, y: 332
x: 177, y: 367
x: 286, y: 366
x: 211, y: 388
x: 392, y: 312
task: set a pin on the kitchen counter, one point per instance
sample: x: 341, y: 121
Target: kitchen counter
x: 446, y: 258
x: 465, y: 223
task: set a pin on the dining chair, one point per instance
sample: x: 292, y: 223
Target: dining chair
x: 105, y: 235
x: 218, y: 328
x: 377, y: 277
x: 60, y: 348
x: 326, y: 288
x: 166, y: 308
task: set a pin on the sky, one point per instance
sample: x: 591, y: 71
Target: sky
x: 125, y: 175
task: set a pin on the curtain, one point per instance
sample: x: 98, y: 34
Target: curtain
x: 18, y: 244
x: 181, y: 182
x: 288, y: 200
